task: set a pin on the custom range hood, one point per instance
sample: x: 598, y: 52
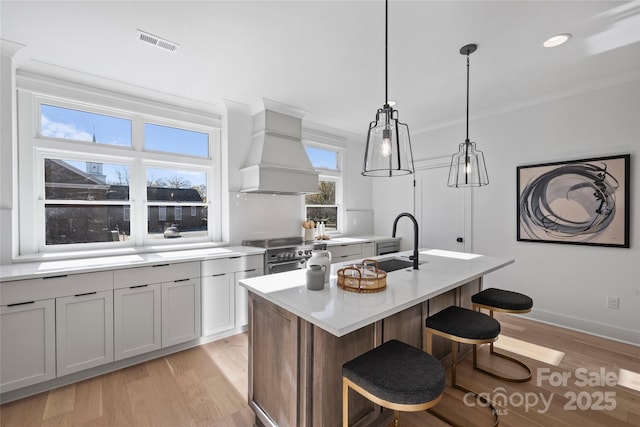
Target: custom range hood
x: 277, y: 161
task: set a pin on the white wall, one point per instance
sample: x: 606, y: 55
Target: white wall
x: 568, y: 283
x: 8, y: 150
x: 392, y: 196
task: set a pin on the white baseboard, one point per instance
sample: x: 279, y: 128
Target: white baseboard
x: 627, y: 336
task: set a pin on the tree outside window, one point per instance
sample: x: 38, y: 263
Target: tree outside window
x: 322, y: 206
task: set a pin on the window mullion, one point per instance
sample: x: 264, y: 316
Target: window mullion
x: 138, y: 194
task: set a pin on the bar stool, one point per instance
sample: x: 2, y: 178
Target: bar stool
x: 501, y: 300
x: 396, y: 376
x: 462, y: 325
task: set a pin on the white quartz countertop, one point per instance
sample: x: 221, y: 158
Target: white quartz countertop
x: 30, y: 270
x: 340, y: 312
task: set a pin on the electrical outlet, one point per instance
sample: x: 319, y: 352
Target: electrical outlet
x: 613, y: 303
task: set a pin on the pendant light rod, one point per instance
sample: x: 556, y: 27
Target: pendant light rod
x: 386, y: 54
x: 468, y: 50
x: 467, y: 138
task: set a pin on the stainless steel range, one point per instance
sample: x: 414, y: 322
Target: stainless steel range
x: 285, y: 254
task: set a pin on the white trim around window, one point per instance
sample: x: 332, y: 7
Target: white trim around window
x: 33, y: 149
x: 333, y: 175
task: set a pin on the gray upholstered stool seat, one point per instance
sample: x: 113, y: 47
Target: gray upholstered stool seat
x: 494, y: 299
x: 464, y: 323
x: 394, y: 375
x: 461, y: 325
x: 502, y: 300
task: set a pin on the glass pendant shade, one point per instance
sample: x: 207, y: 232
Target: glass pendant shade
x: 467, y: 167
x: 388, y: 149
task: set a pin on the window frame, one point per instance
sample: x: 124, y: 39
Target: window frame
x: 33, y: 91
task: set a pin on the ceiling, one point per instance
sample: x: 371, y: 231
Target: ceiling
x: 327, y: 57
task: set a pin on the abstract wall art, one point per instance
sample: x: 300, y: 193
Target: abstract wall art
x: 584, y: 202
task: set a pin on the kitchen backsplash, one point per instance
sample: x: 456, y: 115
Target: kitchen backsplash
x: 359, y: 222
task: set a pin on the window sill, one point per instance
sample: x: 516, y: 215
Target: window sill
x: 79, y: 254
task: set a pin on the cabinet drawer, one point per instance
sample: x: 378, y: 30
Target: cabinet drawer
x: 231, y: 265
x: 54, y: 287
x: 343, y: 251
x: 155, y: 274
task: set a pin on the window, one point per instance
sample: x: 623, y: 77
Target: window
x: 180, y: 188
x: 162, y: 213
x: 323, y: 159
x: 179, y: 141
x: 76, y: 125
x: 84, y: 201
x: 325, y: 205
x: 111, y: 173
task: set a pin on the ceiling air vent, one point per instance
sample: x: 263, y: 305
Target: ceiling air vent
x: 157, y: 41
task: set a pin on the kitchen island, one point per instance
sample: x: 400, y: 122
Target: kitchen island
x: 299, y: 339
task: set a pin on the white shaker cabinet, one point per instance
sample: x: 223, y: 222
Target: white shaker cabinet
x: 84, y: 331
x: 156, y: 306
x: 137, y: 320
x: 346, y: 252
x: 28, y: 346
x: 368, y: 250
x: 180, y: 311
x: 218, y: 303
x: 224, y: 301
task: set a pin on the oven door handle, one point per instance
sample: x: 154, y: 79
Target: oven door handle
x: 296, y: 261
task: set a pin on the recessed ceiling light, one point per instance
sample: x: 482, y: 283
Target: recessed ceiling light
x: 557, y: 40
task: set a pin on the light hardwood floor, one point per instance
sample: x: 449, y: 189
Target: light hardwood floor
x: 207, y: 386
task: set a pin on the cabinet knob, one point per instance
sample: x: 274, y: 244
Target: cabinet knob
x: 459, y: 240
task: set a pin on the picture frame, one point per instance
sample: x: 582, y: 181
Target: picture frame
x: 580, y: 202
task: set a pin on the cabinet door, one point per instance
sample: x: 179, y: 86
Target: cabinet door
x: 84, y: 331
x: 218, y: 303
x: 368, y: 250
x: 136, y: 320
x: 27, y: 353
x: 180, y: 311
x: 242, y: 308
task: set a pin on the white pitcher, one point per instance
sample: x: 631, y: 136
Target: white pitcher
x: 321, y: 258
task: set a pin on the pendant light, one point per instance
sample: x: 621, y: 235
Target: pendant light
x: 467, y: 165
x: 388, y: 150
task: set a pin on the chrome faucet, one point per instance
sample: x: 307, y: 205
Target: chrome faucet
x: 414, y: 257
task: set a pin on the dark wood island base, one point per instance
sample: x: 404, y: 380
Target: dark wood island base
x: 295, y: 367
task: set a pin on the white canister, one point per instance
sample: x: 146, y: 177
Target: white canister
x: 321, y: 258
x: 309, y: 234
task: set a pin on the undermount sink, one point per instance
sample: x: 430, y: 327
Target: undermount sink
x: 394, y: 264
